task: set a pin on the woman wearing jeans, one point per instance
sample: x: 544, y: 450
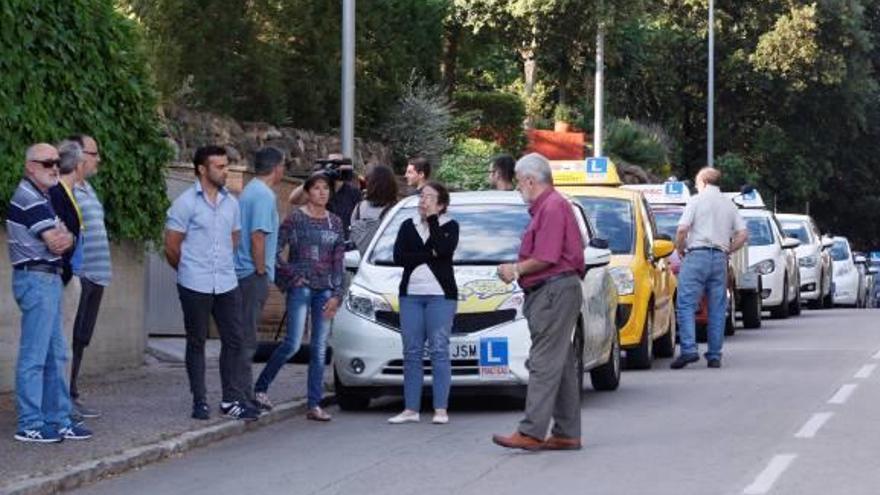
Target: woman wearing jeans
x: 428, y: 299
x: 311, y: 277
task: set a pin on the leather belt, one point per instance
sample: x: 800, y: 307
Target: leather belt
x: 706, y: 248
x: 542, y: 283
x: 40, y: 267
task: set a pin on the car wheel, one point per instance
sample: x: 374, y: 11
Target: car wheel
x: 751, y: 309
x: 578, y: 344
x: 641, y: 357
x: 781, y: 312
x: 664, y: 347
x: 607, y: 377
x: 347, y: 399
x: 730, y: 321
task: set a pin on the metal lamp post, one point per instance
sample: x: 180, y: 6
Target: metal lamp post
x: 710, y: 112
x: 347, y: 107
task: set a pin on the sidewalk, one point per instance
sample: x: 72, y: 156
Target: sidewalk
x: 145, y: 418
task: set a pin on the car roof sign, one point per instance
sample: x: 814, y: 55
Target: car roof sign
x: 594, y: 171
x: 751, y: 199
x: 667, y: 193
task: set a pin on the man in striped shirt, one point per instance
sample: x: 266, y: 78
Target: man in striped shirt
x: 94, y: 270
x: 37, y: 239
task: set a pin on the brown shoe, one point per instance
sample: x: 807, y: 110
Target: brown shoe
x: 318, y: 414
x: 518, y: 441
x: 561, y: 443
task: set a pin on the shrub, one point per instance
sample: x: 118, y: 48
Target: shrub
x: 465, y: 167
x: 77, y: 66
x: 420, y: 124
x: 638, y: 144
x: 494, y: 116
x: 564, y: 113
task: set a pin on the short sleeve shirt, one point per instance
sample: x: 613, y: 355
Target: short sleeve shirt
x: 206, y: 259
x: 711, y: 219
x: 30, y: 214
x: 259, y: 212
x: 552, y: 236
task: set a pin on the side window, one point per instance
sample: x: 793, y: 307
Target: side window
x: 777, y: 229
x: 649, y: 226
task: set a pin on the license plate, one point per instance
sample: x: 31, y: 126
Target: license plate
x: 458, y: 350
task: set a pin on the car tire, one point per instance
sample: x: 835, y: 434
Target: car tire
x: 606, y: 378
x: 730, y: 321
x: 641, y: 357
x: 751, y: 309
x: 664, y: 347
x: 781, y: 312
x: 347, y: 399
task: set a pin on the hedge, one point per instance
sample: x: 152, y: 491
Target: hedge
x: 496, y: 117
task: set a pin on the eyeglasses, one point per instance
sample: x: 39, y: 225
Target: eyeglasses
x: 48, y: 163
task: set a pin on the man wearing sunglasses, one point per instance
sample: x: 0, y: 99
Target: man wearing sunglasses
x: 37, y: 241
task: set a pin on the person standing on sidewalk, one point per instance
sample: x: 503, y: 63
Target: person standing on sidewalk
x: 709, y: 229
x: 550, y: 269
x: 312, y: 278
x: 201, y: 232
x: 255, y: 255
x: 424, y: 248
x: 95, y: 271
x: 37, y: 239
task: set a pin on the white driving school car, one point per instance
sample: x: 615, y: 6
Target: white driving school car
x: 813, y: 258
x: 490, y: 336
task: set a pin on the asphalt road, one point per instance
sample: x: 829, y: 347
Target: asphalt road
x: 794, y: 411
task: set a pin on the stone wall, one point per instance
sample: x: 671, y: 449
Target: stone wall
x: 188, y: 129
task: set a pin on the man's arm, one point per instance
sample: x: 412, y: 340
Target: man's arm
x: 297, y: 196
x: 739, y: 240
x: 681, y: 236
x: 258, y: 251
x: 59, y: 240
x: 173, y: 241
x: 236, y: 236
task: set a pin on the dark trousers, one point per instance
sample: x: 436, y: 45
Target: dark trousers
x: 84, y: 325
x: 198, y: 308
x: 553, y: 394
x: 254, y: 292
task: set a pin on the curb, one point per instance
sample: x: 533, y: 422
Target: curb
x: 87, y: 472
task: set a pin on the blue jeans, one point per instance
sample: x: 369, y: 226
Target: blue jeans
x: 41, y: 394
x: 703, y: 270
x: 426, y: 318
x: 299, y: 301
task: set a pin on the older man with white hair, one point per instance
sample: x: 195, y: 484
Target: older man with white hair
x: 549, y: 271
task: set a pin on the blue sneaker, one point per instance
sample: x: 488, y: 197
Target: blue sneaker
x: 201, y: 411
x: 76, y: 431
x: 45, y: 434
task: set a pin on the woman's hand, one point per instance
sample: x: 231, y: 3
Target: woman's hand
x: 330, y: 308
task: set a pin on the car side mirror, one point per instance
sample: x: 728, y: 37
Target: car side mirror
x: 790, y: 243
x: 663, y: 237
x: 598, y: 243
x: 663, y: 248
x: 827, y: 242
x: 352, y: 260
x: 860, y: 260
x: 597, y: 253
x: 873, y: 270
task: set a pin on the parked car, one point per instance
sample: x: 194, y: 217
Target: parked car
x: 490, y: 336
x: 849, y: 282
x: 817, y: 274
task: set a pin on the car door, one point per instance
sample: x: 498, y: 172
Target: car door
x: 790, y: 261
x: 663, y: 283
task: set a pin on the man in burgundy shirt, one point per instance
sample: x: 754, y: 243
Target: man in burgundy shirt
x: 550, y: 269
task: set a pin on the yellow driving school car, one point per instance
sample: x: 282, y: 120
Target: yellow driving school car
x: 645, y: 282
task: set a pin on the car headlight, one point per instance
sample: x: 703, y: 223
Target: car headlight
x: 515, y: 301
x: 364, y: 303
x: 808, y: 261
x: 764, y: 267
x: 623, y: 279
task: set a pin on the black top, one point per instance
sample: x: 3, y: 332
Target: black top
x: 343, y: 202
x: 66, y: 211
x: 410, y: 252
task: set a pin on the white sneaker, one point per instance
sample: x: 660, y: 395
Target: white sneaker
x: 405, y: 417
x: 440, y: 418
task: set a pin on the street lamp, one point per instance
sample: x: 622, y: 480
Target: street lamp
x: 710, y: 113
x: 347, y: 107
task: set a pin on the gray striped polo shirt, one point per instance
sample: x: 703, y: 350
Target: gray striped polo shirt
x: 96, y: 247
x: 29, y: 215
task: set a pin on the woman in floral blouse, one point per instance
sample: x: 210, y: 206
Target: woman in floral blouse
x: 311, y: 276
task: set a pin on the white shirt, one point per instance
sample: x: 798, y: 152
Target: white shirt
x: 712, y: 219
x: 422, y: 281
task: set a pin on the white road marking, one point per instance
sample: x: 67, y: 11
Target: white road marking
x: 877, y: 355
x: 843, y: 393
x: 764, y: 482
x: 866, y: 371
x: 812, y: 426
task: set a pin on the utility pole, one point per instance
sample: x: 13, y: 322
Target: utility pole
x: 598, y: 107
x: 348, y: 53
x: 710, y: 114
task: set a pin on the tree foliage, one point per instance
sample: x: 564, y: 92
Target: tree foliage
x: 78, y: 66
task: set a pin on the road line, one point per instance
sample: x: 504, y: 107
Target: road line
x: 764, y: 482
x: 877, y: 355
x: 843, y: 393
x: 866, y: 371
x: 812, y: 426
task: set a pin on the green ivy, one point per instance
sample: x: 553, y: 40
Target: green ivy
x: 78, y: 66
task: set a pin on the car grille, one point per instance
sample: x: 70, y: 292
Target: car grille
x: 464, y: 323
x: 460, y: 367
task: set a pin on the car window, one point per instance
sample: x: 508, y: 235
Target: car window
x: 760, y: 231
x: 798, y: 230
x: 489, y: 234
x: 667, y: 222
x: 840, y: 251
x: 613, y: 220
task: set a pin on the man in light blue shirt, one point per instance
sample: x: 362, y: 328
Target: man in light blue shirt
x: 255, y: 255
x: 201, y: 232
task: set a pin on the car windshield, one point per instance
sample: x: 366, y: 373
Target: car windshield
x: 839, y: 251
x: 760, y: 232
x: 667, y: 221
x: 489, y: 234
x: 797, y: 230
x: 613, y: 220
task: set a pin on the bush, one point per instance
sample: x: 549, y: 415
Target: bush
x: 465, y: 167
x: 638, y: 144
x: 76, y: 66
x: 420, y: 124
x: 494, y: 116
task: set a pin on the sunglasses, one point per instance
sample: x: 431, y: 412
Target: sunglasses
x: 48, y: 163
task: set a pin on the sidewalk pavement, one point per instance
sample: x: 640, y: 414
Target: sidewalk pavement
x: 146, y: 417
